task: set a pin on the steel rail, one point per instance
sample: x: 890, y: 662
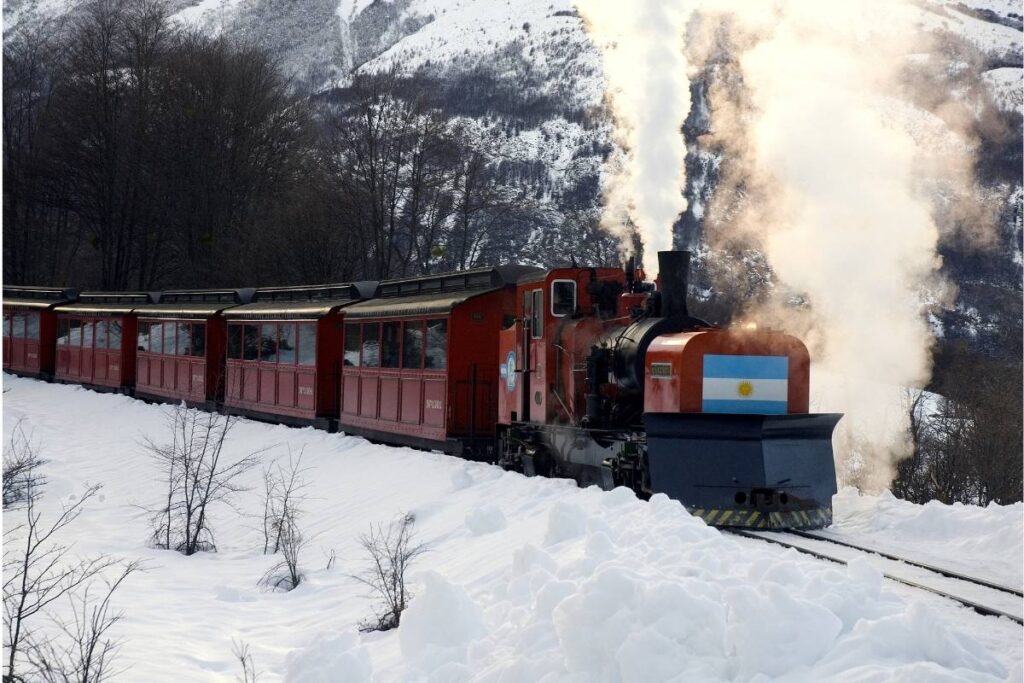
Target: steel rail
x: 978, y: 607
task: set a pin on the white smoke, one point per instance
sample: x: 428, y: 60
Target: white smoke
x: 643, y: 49
x: 835, y: 199
x: 827, y: 175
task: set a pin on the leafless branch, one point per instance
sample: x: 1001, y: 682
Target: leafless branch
x: 391, y: 549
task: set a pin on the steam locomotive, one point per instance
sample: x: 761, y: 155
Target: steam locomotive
x: 588, y: 373
x: 628, y: 389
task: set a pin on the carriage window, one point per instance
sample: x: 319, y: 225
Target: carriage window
x: 142, y: 337
x: 251, y: 342
x: 352, y: 345
x: 412, y: 345
x: 7, y: 325
x: 156, y: 338
x: 197, y: 342
x: 19, y: 325
x: 286, y: 343
x: 87, y: 332
x: 235, y: 342
x: 371, y: 345
x: 169, y: 333
x: 537, y: 316
x: 114, y: 335
x: 32, y: 325
x: 437, y: 344
x: 184, y: 337
x: 390, y: 345
x: 563, y: 297
x: 63, y: 332
x: 268, y: 343
x: 101, y: 334
x: 307, y: 343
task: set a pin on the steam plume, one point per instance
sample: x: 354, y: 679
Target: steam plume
x: 825, y: 177
x: 646, y: 72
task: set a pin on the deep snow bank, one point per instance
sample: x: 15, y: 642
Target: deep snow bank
x: 526, y: 580
x: 988, y: 541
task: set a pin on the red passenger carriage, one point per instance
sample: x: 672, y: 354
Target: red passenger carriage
x: 284, y: 352
x: 181, y: 345
x: 30, y: 329
x: 96, y: 340
x: 419, y: 362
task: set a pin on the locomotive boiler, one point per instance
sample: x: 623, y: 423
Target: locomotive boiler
x: 609, y: 380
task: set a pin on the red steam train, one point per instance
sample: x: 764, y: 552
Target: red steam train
x: 588, y: 373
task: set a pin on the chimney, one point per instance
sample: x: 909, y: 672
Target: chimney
x: 673, y: 267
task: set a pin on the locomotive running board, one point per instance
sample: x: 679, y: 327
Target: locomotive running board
x: 778, y: 466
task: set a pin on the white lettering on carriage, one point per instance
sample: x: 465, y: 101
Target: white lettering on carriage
x: 197, y: 379
x: 305, y: 391
x: 433, y: 405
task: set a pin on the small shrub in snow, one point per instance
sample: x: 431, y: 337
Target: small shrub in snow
x: 282, y: 500
x: 240, y: 649
x: 21, y: 476
x: 391, y: 549
x: 283, y: 488
x: 85, y: 652
x: 38, y: 571
x: 285, y: 574
x: 196, y: 474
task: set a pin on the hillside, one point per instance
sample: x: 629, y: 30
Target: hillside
x: 527, y: 83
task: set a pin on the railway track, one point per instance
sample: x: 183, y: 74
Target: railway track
x: 984, y: 596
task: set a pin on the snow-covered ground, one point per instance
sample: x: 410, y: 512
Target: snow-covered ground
x: 987, y: 542
x: 526, y: 579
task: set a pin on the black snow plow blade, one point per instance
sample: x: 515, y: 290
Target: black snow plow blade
x: 751, y: 471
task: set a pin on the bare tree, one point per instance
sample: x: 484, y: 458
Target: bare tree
x: 39, y: 570
x: 282, y: 499
x: 391, y: 549
x: 197, y: 475
x: 282, y: 507
x: 21, y: 476
x: 240, y: 649
x: 86, y: 652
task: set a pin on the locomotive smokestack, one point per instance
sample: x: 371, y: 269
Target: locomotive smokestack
x: 673, y: 268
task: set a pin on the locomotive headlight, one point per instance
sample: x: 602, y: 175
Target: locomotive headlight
x: 750, y: 326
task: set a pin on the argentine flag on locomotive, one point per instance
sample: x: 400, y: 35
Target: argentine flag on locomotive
x: 746, y: 384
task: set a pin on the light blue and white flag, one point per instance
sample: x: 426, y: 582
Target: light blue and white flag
x: 746, y: 384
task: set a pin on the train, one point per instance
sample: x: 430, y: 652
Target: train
x: 590, y: 373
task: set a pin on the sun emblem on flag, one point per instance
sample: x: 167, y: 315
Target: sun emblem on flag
x: 744, y: 389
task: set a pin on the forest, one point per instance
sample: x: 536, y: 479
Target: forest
x: 141, y: 155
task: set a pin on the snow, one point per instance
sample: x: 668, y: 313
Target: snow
x: 1007, y: 87
x: 208, y: 14
x: 989, y: 540
x: 524, y: 579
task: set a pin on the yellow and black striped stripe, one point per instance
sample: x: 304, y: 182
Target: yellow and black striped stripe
x: 814, y: 518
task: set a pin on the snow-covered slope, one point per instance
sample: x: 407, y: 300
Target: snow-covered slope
x: 526, y: 579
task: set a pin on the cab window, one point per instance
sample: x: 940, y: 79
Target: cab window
x: 563, y: 297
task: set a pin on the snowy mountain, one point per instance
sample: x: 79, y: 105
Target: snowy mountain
x: 527, y: 81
